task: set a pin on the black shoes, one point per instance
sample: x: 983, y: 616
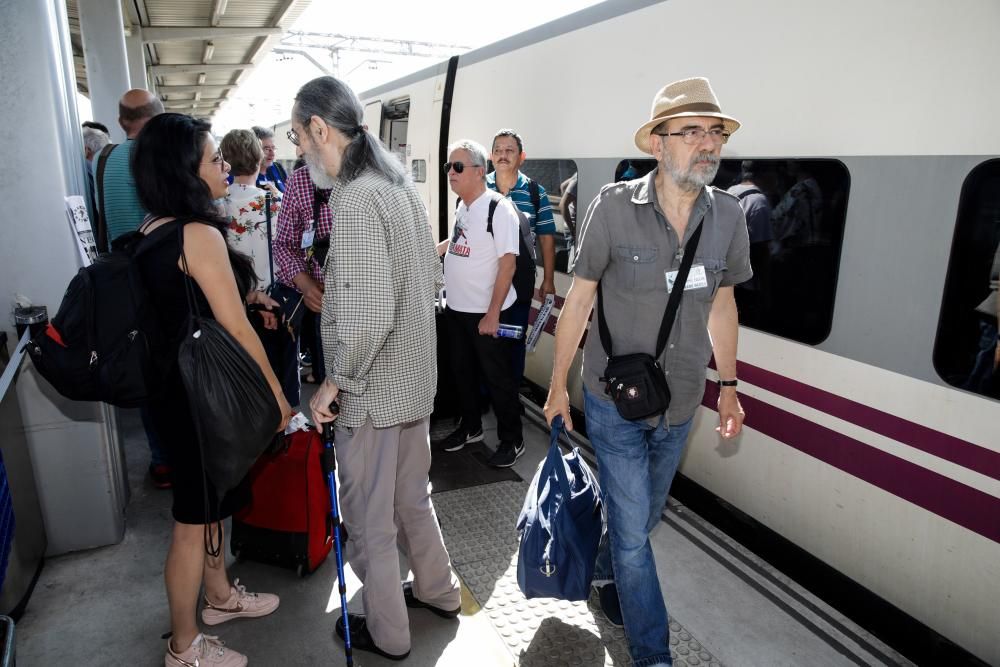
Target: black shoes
x: 361, y: 638
x: 414, y: 603
x: 607, y: 595
x: 507, y: 453
x: 460, y: 438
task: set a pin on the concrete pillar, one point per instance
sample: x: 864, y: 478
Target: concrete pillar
x: 107, y: 64
x: 38, y: 257
x: 136, y: 59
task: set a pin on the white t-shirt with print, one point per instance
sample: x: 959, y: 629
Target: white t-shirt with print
x: 472, y: 260
x: 247, y: 228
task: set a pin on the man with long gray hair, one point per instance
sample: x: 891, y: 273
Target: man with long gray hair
x: 377, y: 325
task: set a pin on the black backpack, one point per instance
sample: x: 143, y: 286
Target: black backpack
x: 102, y: 343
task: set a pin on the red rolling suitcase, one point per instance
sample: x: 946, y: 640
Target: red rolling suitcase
x: 288, y: 521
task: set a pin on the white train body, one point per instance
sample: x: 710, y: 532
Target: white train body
x: 856, y: 449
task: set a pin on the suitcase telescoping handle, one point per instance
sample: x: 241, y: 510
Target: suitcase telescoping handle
x: 330, y: 470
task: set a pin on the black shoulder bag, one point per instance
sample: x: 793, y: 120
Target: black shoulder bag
x: 635, y: 382
x: 235, y: 412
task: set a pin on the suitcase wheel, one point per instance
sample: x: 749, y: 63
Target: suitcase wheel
x: 301, y: 570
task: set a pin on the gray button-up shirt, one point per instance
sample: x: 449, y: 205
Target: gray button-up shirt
x: 381, y: 278
x: 627, y: 245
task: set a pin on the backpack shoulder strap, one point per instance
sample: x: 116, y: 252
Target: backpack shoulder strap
x: 100, y: 226
x: 536, y: 197
x: 746, y: 193
x: 489, y: 216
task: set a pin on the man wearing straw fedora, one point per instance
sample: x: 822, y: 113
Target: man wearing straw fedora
x: 632, y: 243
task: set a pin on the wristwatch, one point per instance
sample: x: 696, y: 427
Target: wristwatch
x: 727, y: 383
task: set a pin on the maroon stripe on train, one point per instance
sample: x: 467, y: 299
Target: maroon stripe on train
x: 948, y: 447
x: 949, y: 499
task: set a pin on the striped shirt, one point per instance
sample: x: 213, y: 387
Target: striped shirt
x: 122, y: 211
x: 541, y: 220
x: 294, y: 219
x: 377, y: 323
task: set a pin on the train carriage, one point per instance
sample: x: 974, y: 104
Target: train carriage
x: 862, y: 447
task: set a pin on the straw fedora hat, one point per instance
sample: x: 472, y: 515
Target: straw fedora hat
x: 687, y: 97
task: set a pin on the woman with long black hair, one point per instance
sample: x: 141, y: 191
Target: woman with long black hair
x: 180, y: 173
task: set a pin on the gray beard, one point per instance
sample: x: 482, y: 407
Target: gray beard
x: 317, y: 173
x: 688, y: 179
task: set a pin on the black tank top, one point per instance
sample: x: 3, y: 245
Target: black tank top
x: 164, y: 282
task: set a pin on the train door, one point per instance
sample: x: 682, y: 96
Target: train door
x: 373, y: 117
x: 396, y: 115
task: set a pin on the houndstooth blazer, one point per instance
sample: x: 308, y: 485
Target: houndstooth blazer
x: 381, y: 278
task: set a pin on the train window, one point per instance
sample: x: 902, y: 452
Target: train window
x: 965, y: 350
x: 796, y: 212
x: 558, y: 177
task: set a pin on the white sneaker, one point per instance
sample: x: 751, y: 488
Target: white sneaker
x: 239, y: 605
x: 205, y: 651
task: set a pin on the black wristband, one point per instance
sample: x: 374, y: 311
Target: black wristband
x: 727, y: 383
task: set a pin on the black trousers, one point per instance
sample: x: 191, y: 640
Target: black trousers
x: 475, y: 357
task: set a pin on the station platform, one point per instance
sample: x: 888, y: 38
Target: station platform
x: 108, y: 606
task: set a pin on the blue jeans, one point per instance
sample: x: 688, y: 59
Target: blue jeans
x: 636, y: 463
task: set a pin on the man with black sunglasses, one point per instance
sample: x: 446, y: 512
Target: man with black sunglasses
x: 478, y: 270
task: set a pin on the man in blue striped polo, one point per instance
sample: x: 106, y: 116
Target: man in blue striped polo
x: 532, y: 201
x: 122, y: 212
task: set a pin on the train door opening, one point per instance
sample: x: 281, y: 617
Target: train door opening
x: 395, y: 122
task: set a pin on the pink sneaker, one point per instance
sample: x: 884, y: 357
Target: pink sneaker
x: 205, y: 651
x: 239, y: 605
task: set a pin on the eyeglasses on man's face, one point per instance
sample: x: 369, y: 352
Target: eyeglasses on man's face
x: 695, y: 135
x: 458, y: 166
x: 293, y: 137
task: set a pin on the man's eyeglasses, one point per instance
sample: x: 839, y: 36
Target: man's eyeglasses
x: 458, y: 166
x: 293, y: 137
x: 695, y: 135
x: 218, y: 160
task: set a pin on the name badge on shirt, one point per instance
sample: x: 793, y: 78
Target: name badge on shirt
x: 696, y: 278
x: 307, y: 238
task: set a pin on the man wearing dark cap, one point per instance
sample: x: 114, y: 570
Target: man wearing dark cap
x: 632, y: 244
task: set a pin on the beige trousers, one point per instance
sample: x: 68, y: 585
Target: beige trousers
x: 385, y: 500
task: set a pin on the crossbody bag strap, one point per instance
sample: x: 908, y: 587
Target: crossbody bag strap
x: 675, y: 294
x: 672, y: 303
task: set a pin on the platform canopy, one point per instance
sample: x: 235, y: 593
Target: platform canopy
x: 195, y: 53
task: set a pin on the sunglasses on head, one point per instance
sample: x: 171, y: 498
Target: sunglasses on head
x: 459, y: 167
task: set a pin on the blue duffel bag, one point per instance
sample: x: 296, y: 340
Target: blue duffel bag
x: 560, y: 526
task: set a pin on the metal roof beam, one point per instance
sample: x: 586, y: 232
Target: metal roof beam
x: 196, y: 68
x: 167, y: 90
x: 193, y: 33
x: 193, y: 105
x: 213, y: 100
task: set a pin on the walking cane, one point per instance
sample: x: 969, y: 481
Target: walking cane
x: 330, y: 470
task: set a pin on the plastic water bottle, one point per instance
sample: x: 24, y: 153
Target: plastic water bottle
x: 510, y: 331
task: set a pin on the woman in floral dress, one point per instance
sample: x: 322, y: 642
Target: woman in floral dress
x: 245, y: 205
